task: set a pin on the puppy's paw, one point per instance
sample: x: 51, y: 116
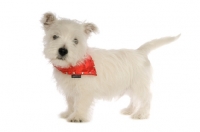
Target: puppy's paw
x: 126, y: 111
x: 65, y: 114
x: 140, y: 116
x: 76, y: 118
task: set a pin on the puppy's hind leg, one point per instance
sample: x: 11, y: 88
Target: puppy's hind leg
x: 132, y: 107
x: 143, y: 111
x: 143, y: 108
x: 142, y: 99
x: 128, y: 110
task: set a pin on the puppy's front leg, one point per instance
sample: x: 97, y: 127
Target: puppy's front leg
x: 70, y: 103
x: 82, y: 105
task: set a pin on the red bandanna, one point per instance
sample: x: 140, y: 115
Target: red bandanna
x: 85, y: 68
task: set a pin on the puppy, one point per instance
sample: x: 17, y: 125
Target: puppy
x: 84, y: 74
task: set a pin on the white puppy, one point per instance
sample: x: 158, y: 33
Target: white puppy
x: 84, y: 74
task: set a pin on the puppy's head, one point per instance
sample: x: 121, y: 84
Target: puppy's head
x: 65, y: 41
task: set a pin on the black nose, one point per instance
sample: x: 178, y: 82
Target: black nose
x: 63, y: 51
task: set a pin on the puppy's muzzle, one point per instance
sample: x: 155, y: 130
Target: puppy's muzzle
x: 62, y: 51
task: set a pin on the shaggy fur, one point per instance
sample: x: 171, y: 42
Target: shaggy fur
x: 119, y: 72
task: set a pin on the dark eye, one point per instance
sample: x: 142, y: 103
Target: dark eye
x: 75, y: 41
x: 55, y: 37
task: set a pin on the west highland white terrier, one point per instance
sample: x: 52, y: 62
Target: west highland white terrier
x: 84, y: 74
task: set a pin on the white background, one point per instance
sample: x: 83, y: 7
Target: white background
x: 29, y: 100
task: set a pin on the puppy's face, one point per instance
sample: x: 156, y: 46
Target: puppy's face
x: 65, y: 41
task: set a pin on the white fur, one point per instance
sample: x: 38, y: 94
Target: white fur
x: 119, y: 72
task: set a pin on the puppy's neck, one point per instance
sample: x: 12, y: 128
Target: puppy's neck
x: 85, y: 67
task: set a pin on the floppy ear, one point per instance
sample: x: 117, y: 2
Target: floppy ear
x: 48, y: 19
x: 89, y: 28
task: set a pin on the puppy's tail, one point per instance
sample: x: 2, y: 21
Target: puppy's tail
x: 147, y: 47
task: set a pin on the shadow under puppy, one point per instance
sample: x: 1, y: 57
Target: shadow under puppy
x: 84, y: 74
